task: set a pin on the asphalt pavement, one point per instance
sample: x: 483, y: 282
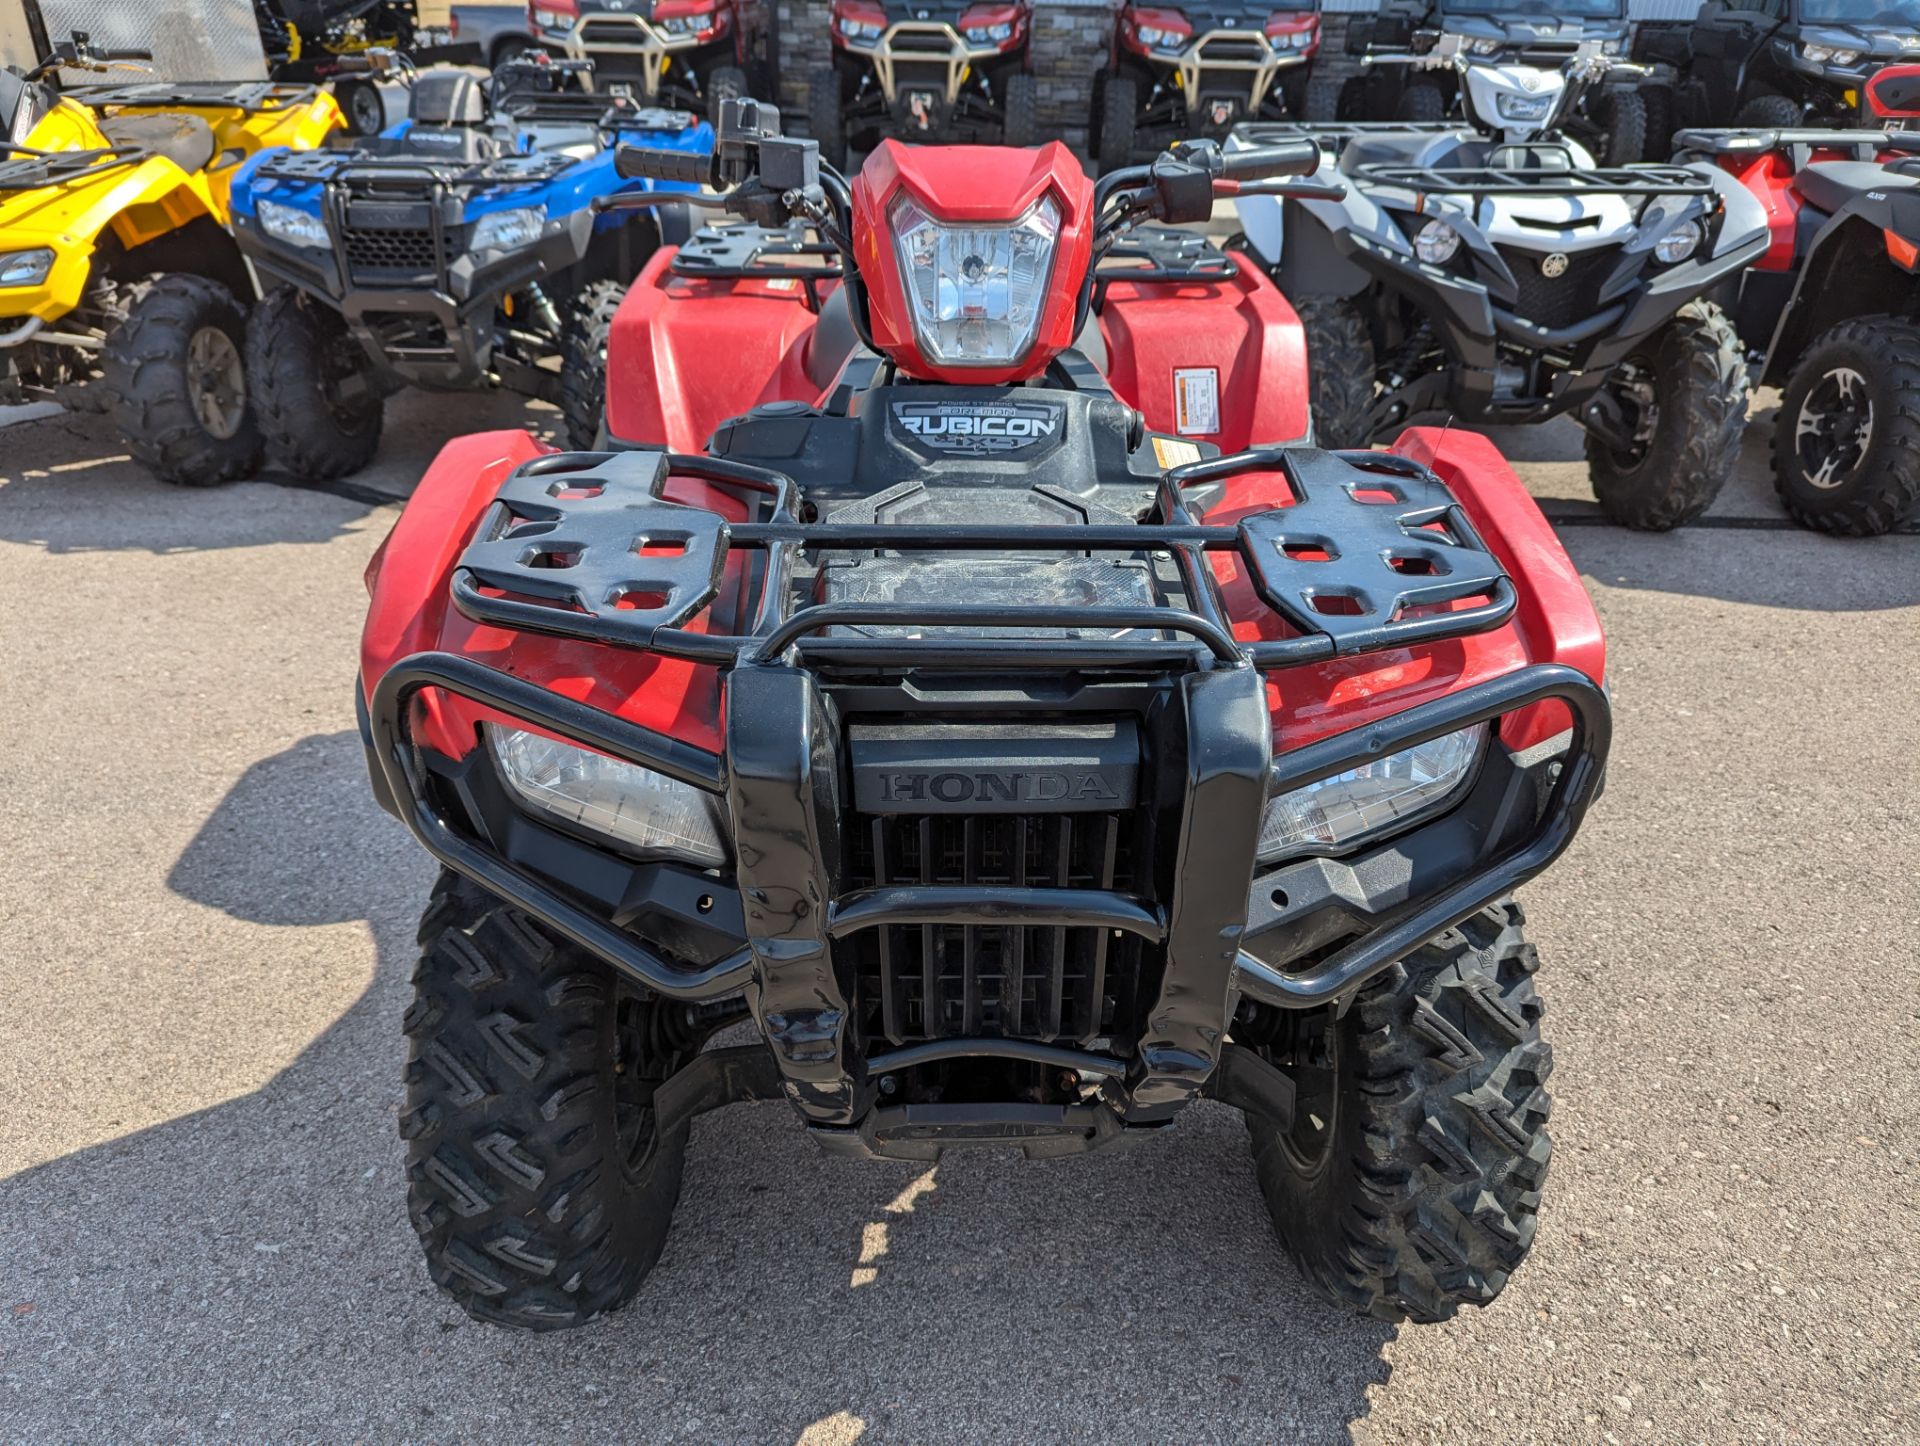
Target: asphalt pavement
x: 206, y: 935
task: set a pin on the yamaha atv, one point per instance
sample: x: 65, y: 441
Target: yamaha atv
x: 1198, y: 70
x: 955, y: 70
x: 1835, y: 302
x: 1497, y: 282
x: 462, y: 249
x: 912, y: 680
x: 693, y: 55
x: 1422, y: 59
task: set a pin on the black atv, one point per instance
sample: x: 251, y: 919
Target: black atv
x: 1417, y: 55
x: 1779, y: 62
x: 1199, y: 70
x: 946, y: 73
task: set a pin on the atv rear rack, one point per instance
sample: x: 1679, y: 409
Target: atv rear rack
x: 1859, y: 145
x: 1645, y: 180
x: 736, y: 253
x: 255, y: 97
x: 1162, y: 254
x: 322, y: 166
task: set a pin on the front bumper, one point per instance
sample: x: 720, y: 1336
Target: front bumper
x: 1228, y: 66
x: 633, y: 44
x: 1222, y: 929
x: 921, y: 42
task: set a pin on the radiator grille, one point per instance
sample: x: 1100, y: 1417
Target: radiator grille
x: 1557, y: 301
x: 920, y: 982
x: 409, y: 252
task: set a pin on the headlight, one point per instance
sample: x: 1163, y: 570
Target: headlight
x: 552, y: 19
x: 634, y: 806
x: 291, y: 225
x: 1516, y: 109
x: 1290, y: 39
x: 1370, y: 799
x: 989, y: 34
x: 975, y: 291
x: 1829, y: 54
x: 25, y: 268
x: 1436, y: 243
x: 504, y: 230
x: 854, y: 29
x: 1154, y: 38
x: 1476, y: 44
x: 1679, y: 243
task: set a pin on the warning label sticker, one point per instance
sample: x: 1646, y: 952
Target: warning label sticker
x: 1170, y: 453
x: 1196, y: 401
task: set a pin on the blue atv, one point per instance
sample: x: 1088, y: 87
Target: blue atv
x: 462, y: 248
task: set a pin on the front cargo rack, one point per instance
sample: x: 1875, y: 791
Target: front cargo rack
x: 1495, y: 180
x: 255, y: 97
x: 23, y: 168
x: 747, y: 252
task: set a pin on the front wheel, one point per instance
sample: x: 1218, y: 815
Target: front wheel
x: 1846, y: 445
x: 825, y: 120
x: 537, y: 1179
x: 1409, y: 1182
x: 1020, y: 99
x: 1623, y: 116
x: 175, y: 377
x: 1324, y: 94
x: 1770, y: 113
x: 583, y: 362
x: 1119, y: 123
x: 1682, y: 397
x: 320, y: 412
x: 724, y: 83
x: 1422, y: 103
x: 1340, y: 370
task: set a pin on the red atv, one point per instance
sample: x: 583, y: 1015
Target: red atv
x: 948, y: 671
x: 1835, y: 300
x: 692, y: 55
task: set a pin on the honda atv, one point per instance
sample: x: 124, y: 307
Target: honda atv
x: 1021, y: 765
x: 1775, y: 63
x: 306, y: 40
x: 1426, y: 61
x: 1198, y: 70
x: 693, y: 55
x: 120, y: 289
x: 1836, y: 303
x: 462, y: 249
x: 1496, y: 282
x: 953, y: 71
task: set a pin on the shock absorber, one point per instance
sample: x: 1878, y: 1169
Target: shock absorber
x: 541, y: 308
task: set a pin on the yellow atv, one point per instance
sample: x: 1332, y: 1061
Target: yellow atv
x: 121, y: 289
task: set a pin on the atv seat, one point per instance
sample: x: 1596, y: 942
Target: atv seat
x: 186, y: 140
x: 1833, y: 185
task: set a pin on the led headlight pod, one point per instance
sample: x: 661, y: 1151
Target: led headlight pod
x: 1436, y: 242
x: 644, y: 810
x: 1155, y: 38
x: 1679, y: 243
x: 975, y: 292
x: 1340, y: 811
x: 291, y: 225
x: 25, y: 268
x: 1829, y: 54
x: 989, y: 34
x: 504, y: 230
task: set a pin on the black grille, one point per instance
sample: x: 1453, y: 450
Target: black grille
x: 409, y: 252
x: 919, y: 982
x: 1557, y: 301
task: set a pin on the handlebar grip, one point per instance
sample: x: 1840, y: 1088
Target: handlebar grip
x: 125, y: 53
x: 1288, y: 158
x: 353, y: 65
x: 637, y: 163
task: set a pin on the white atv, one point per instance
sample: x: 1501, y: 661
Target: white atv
x: 1507, y: 278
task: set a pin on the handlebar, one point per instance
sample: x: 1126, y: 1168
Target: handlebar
x: 646, y: 163
x: 129, y: 52
x: 1289, y: 158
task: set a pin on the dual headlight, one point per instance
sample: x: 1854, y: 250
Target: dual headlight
x: 860, y: 31
x: 291, y: 225
x: 1338, y: 812
x: 1477, y: 44
x: 504, y: 230
x: 25, y: 268
x: 975, y: 292
x: 1829, y: 54
x: 989, y: 34
x: 1155, y: 38
x: 644, y: 810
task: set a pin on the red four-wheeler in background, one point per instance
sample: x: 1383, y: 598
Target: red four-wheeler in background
x: 941, y: 72
x: 1835, y: 301
x: 1198, y: 70
x: 957, y: 667
x: 691, y: 55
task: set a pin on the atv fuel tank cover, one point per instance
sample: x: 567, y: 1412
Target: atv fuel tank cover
x: 918, y: 768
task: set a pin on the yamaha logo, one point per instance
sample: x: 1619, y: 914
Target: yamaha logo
x: 1554, y: 265
x: 979, y: 428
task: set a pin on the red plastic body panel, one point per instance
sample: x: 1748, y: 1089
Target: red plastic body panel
x: 1770, y: 178
x: 1241, y: 329
x: 970, y: 183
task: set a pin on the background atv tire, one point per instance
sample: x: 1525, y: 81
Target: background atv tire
x: 1340, y: 370
x: 1623, y: 115
x: 319, y: 412
x: 1422, y: 103
x: 1769, y: 112
x: 583, y: 362
x: 1323, y: 99
x: 724, y: 83
x: 177, y: 382
x: 538, y: 1189
x: 1119, y: 123
x: 825, y: 122
x: 1419, y: 1194
x: 1882, y: 489
x: 1657, y: 101
x: 1021, y: 101
x: 1698, y: 373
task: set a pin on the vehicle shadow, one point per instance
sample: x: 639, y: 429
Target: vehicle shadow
x: 254, y: 1258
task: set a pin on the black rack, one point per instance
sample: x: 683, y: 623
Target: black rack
x: 1645, y: 180
x: 356, y: 166
x: 588, y: 108
x: 732, y: 253
x: 1155, y: 254
x: 1861, y: 145
x: 255, y: 97
x: 22, y: 168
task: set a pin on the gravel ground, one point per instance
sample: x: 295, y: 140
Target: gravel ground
x: 205, y: 936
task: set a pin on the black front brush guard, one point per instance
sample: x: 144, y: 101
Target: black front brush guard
x: 779, y: 769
